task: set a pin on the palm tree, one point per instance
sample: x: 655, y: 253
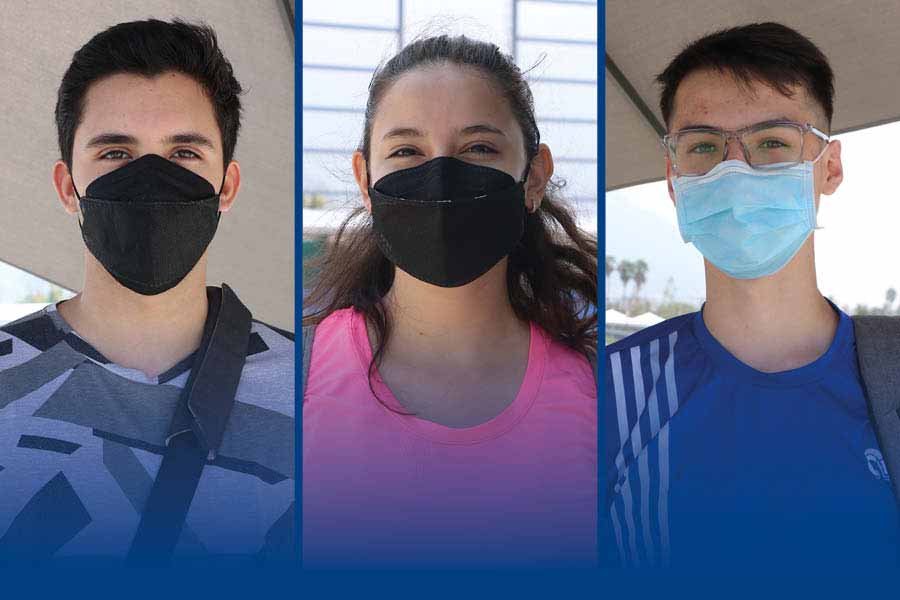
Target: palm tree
x: 625, y: 269
x: 610, y: 269
x: 639, y: 275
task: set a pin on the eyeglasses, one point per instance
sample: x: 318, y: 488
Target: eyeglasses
x: 769, y: 145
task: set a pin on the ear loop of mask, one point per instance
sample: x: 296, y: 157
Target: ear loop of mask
x: 817, y: 227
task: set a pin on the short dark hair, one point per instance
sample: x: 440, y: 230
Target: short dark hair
x: 768, y: 52
x: 150, y: 48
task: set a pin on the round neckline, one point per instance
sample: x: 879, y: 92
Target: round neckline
x: 808, y: 373
x: 493, y: 428
x: 135, y: 375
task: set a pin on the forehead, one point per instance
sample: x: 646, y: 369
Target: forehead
x: 147, y: 106
x: 440, y: 96
x: 717, y: 99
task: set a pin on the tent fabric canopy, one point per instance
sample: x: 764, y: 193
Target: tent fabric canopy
x: 253, y: 250
x: 859, y: 38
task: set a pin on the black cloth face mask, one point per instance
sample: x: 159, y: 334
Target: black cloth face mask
x: 446, y: 221
x: 149, y: 222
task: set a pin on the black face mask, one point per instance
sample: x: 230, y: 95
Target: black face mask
x: 447, y: 222
x: 149, y: 222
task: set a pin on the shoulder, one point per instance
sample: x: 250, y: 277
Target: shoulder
x: 332, y: 334
x: 562, y: 358
x: 267, y: 379
x: 666, y: 329
x: 27, y: 337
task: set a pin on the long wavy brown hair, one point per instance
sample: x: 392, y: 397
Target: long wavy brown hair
x: 551, y: 274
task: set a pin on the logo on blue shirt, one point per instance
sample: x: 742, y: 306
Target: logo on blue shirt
x: 876, y: 464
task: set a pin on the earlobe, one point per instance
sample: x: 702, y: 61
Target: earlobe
x: 65, y: 189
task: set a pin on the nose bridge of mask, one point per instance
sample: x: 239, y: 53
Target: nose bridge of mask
x: 443, y: 179
x: 151, y: 178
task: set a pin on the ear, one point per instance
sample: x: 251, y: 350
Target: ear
x: 669, y: 175
x: 230, y: 186
x: 362, y: 178
x: 833, y: 169
x: 65, y: 189
x: 538, y: 177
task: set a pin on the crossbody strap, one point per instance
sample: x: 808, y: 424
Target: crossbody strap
x: 878, y: 354
x: 197, y: 428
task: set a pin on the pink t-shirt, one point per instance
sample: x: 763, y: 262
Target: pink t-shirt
x: 382, y: 488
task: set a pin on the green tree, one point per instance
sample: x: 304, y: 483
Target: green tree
x: 639, y: 275
x: 610, y: 269
x: 625, y: 270
x: 889, y: 298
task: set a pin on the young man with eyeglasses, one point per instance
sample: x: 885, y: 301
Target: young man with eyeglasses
x: 739, y: 435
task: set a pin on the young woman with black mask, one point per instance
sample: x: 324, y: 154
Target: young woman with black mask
x: 449, y: 410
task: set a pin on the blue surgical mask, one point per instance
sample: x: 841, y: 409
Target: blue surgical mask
x: 747, y: 222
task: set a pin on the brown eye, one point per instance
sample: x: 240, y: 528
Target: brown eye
x: 184, y: 153
x: 115, y: 155
x: 402, y: 153
x: 480, y: 149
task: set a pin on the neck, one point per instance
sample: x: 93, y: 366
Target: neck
x: 451, y: 323
x: 147, y: 333
x: 773, y: 323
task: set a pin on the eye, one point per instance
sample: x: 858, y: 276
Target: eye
x: 115, y: 155
x: 773, y: 144
x: 403, y: 152
x: 480, y: 149
x: 703, y: 148
x: 184, y: 153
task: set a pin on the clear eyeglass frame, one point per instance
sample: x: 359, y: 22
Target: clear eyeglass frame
x: 669, y: 143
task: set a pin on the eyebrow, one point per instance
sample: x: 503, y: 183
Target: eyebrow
x: 482, y: 128
x: 403, y: 132
x: 113, y: 138
x: 470, y: 130
x: 780, y: 119
x: 191, y: 137
x: 107, y: 139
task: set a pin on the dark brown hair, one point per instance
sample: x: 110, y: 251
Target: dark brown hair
x: 767, y: 52
x: 150, y: 48
x: 551, y: 274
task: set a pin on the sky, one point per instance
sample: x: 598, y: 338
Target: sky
x: 854, y: 247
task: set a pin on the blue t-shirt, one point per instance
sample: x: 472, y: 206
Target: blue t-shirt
x: 711, y: 462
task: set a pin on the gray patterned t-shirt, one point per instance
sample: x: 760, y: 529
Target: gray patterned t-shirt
x: 81, y: 440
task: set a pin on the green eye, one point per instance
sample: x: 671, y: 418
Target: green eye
x: 772, y: 144
x: 705, y: 148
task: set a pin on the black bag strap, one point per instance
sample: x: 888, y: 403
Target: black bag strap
x: 308, y: 333
x: 878, y: 354
x: 197, y: 427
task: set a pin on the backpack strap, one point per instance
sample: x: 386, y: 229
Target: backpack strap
x: 197, y: 428
x: 308, y: 333
x: 878, y: 353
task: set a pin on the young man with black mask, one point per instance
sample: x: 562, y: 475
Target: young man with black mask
x: 739, y: 436
x: 149, y: 416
